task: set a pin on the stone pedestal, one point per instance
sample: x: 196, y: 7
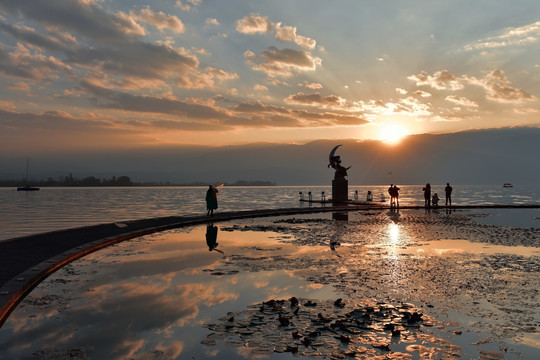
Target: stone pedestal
x: 340, y: 216
x: 340, y: 191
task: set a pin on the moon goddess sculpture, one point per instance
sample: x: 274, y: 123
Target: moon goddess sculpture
x: 335, y: 163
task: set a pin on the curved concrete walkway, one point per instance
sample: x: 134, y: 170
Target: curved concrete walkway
x: 26, y: 261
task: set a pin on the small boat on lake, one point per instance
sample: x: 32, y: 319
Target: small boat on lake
x: 27, y: 187
x: 508, y: 185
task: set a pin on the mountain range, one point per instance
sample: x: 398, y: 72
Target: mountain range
x: 493, y: 156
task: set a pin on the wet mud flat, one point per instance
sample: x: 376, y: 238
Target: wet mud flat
x: 360, y: 285
x: 479, y: 281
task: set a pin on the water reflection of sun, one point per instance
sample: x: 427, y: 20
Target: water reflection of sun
x: 393, y: 233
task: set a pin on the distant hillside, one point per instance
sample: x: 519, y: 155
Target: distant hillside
x: 471, y: 157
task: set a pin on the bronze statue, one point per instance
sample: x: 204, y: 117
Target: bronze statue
x: 335, y: 163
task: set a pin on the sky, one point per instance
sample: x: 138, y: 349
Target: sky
x: 119, y: 74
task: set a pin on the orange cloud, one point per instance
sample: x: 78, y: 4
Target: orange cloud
x: 315, y: 99
x: 254, y: 24
x: 460, y: 100
x: 441, y: 80
x: 160, y: 20
x: 257, y: 24
x: 498, y: 89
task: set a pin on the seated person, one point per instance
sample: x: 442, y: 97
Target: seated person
x: 435, y: 200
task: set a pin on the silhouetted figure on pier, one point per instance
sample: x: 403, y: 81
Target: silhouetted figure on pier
x: 396, y: 195
x: 211, y: 200
x: 427, y: 195
x: 435, y: 200
x: 448, y: 192
x: 369, y: 196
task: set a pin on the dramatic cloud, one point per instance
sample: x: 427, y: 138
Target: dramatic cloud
x: 441, y: 80
x: 498, y: 89
x: 274, y: 62
x: 50, y: 120
x: 52, y: 41
x: 413, y: 107
x: 259, y: 107
x: 526, y: 111
x: 260, y: 87
x: 124, y: 101
x: 519, y: 36
x: 462, y: 101
x: 220, y: 74
x: 31, y: 65
x: 409, y: 106
x: 288, y: 33
x: 421, y: 93
x: 119, y: 54
x: 329, y: 119
x: 297, y: 118
x: 401, y: 91
x: 7, y: 106
x: 83, y: 17
x: 154, y: 72
x: 254, y: 24
x: 187, y: 5
x: 257, y: 24
x: 160, y: 20
x: 211, y: 21
x: 496, y: 84
x: 312, y: 86
x: 315, y: 99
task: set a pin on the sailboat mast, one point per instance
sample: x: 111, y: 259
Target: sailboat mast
x: 26, y: 176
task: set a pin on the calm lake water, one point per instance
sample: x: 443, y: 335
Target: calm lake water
x: 26, y: 213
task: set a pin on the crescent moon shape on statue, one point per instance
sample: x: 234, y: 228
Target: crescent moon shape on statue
x: 332, y: 152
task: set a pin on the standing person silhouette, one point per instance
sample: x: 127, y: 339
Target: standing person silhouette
x: 448, y: 191
x: 211, y: 200
x: 392, y: 195
x: 396, y: 196
x: 427, y: 195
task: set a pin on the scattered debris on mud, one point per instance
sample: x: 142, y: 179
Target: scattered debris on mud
x: 332, y: 329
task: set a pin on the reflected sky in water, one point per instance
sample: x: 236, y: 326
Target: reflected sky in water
x: 150, y: 296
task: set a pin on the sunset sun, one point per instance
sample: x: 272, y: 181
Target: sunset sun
x: 392, y: 134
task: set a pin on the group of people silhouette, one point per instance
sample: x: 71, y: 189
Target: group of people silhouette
x: 429, y: 200
x: 393, y: 190
x: 434, y: 200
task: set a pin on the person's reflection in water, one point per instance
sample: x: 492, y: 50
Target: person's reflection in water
x: 211, y: 237
x: 333, y: 244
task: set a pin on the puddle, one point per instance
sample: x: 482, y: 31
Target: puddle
x: 452, y: 247
x: 522, y: 218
